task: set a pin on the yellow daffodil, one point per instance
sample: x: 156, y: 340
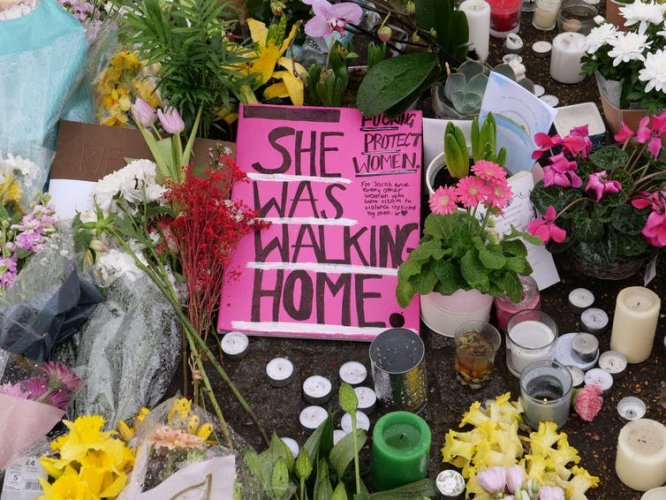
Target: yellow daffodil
x: 66, y: 487
x: 581, y: 482
x: 125, y: 431
x: 536, y: 467
x: 85, y: 433
x: 488, y: 456
x: 474, y: 436
x: 459, y: 453
x: 10, y: 191
x: 544, y: 439
x: 205, y: 431
x: 508, y: 442
x: 193, y: 424
x: 474, y: 416
x: 474, y: 488
x: 179, y: 408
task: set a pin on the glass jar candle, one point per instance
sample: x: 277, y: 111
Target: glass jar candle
x: 545, y: 14
x: 531, y: 336
x: 530, y: 299
x: 545, y: 393
x: 577, y: 16
x: 504, y: 17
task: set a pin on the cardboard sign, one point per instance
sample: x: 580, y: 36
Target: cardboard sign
x: 343, y: 195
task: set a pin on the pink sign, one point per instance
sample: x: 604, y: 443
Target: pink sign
x: 343, y: 195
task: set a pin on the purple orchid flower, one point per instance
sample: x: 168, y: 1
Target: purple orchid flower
x: 332, y: 17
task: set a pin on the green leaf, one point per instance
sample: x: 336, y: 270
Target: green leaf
x: 280, y: 479
x: 404, y: 292
x: 323, y: 489
x: 587, y: 228
x: 628, y: 220
x: 343, y: 452
x: 542, y: 197
x: 348, y: 398
x: 518, y: 265
x: 515, y: 248
x: 492, y: 257
x: 340, y: 492
x: 279, y: 449
x: 417, y: 489
x: 424, y: 282
x: 391, y: 80
x: 609, y: 158
x: 313, y: 443
x: 631, y: 247
x: 303, y: 466
x: 473, y: 271
x: 441, y: 227
x: 512, y: 286
x: 449, y: 278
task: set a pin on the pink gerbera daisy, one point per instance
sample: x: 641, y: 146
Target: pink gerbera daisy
x: 35, y: 387
x: 443, y: 201
x: 488, y: 170
x: 471, y: 191
x: 499, y: 194
x: 59, y: 376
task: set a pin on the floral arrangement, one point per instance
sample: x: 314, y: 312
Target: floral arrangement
x: 634, y: 58
x: 86, y: 462
x: 489, y: 453
x: 54, y: 385
x: 17, y: 177
x: 124, y: 79
x: 461, y: 252
x: 598, y: 203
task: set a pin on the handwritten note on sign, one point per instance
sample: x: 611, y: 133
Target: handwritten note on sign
x: 342, y: 193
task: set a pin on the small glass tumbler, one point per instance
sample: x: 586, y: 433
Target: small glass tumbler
x: 530, y: 299
x: 531, y: 336
x: 577, y: 16
x: 504, y: 17
x: 545, y: 15
x: 476, y: 345
x: 545, y: 393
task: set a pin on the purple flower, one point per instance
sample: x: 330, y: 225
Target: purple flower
x: 13, y: 390
x: 8, y: 271
x: 515, y: 476
x: 59, y: 399
x: 61, y: 377
x: 30, y: 241
x: 144, y: 113
x: 35, y: 387
x: 171, y: 120
x: 493, y: 480
x: 598, y: 183
x: 561, y: 172
x: 551, y: 493
x: 329, y: 18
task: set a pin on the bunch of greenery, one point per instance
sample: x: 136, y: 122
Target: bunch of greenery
x: 197, y: 66
x: 326, y: 85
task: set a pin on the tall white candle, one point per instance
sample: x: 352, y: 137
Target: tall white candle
x: 529, y: 341
x: 565, y: 65
x: 478, y: 19
x: 636, y: 315
x: 641, y: 454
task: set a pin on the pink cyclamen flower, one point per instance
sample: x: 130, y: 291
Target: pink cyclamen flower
x: 471, y: 191
x: 655, y: 228
x: 171, y: 121
x: 544, y: 143
x: 651, y: 135
x: 578, y: 141
x: 332, y: 17
x: 60, y: 377
x: 13, y: 390
x: 600, y: 184
x: 443, y: 201
x: 488, y: 170
x: 515, y: 477
x: 493, y: 479
x: 143, y: 112
x: 624, y: 134
x: 545, y: 228
x: 561, y: 172
x: 499, y: 194
x: 588, y: 402
x: 551, y: 493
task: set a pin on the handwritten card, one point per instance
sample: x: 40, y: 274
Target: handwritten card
x: 343, y: 195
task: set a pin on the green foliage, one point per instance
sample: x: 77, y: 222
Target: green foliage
x: 455, y: 151
x: 187, y: 39
x: 326, y: 86
x: 457, y: 253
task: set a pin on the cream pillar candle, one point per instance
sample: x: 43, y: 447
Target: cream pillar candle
x: 635, y: 322
x: 565, y: 65
x: 641, y: 454
x: 478, y: 19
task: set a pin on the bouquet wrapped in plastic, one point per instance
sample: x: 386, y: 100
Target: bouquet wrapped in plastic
x: 33, y: 397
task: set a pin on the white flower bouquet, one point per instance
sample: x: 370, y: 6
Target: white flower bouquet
x: 632, y: 62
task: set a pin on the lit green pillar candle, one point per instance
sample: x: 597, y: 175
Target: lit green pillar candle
x: 400, y: 449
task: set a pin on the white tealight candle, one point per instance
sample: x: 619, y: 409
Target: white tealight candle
x: 478, y: 19
x: 585, y: 347
x: 353, y: 373
x: 613, y: 363
x: 338, y: 434
x: 565, y: 65
x: 541, y: 49
x: 594, y: 320
x: 235, y: 345
x: 529, y: 341
x: 580, y: 299
x: 655, y: 494
x: 312, y: 417
x: 362, y: 422
x: 280, y: 371
x: 631, y: 408
x: 292, y: 445
x: 317, y: 389
x: 599, y: 377
x: 367, y: 399
x: 636, y: 314
x: 577, y: 375
x: 641, y: 454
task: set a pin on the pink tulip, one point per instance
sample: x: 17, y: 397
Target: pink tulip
x: 493, y: 480
x: 598, y: 183
x: 515, y: 476
x: 171, y: 120
x: 143, y: 112
x: 545, y: 228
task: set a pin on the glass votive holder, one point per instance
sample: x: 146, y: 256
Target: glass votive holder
x: 545, y: 393
x: 577, y: 16
x: 530, y: 299
x: 476, y: 345
x: 545, y: 14
x: 531, y: 336
x: 504, y: 17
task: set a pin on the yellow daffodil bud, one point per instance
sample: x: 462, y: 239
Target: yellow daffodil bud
x: 410, y: 8
x: 125, y: 432
x: 193, y: 424
x: 581, y: 482
x: 205, y: 431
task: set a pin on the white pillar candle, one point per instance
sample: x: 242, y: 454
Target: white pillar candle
x: 478, y: 19
x: 636, y: 315
x: 565, y: 65
x: 529, y: 341
x: 641, y: 454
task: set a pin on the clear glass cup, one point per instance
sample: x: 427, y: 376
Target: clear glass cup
x: 545, y: 393
x: 577, y: 16
x: 545, y: 14
x: 531, y: 336
x: 476, y: 343
x: 504, y: 17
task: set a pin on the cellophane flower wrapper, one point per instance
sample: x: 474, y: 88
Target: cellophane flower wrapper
x: 29, y: 163
x: 42, y: 56
x: 48, y: 302
x: 23, y: 422
x: 131, y: 346
x: 216, y: 473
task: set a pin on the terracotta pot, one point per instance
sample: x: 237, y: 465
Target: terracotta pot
x: 443, y: 314
x: 615, y: 116
x: 613, y: 13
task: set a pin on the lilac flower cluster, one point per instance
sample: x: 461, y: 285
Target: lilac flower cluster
x: 83, y: 11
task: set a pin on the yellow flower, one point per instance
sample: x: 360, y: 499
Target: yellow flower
x: 581, y: 482
x: 544, y: 439
x: 474, y: 416
x: 536, y: 467
x: 67, y: 487
x: 193, y: 424
x: 456, y: 452
x: 85, y: 433
x: 126, y: 433
x: 10, y: 191
x: 181, y: 408
x: 474, y: 488
x: 145, y: 89
x: 205, y: 431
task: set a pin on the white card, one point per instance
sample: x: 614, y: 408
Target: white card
x: 69, y: 196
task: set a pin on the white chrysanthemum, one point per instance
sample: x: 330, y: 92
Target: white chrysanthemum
x: 600, y: 36
x: 643, y: 13
x: 628, y: 47
x: 116, y: 264
x: 654, y: 72
x: 18, y: 166
x: 132, y: 183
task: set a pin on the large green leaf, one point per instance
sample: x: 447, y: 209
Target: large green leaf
x: 492, y: 258
x: 319, y: 438
x: 440, y: 226
x: 323, y: 489
x: 391, y: 80
x: 418, y: 489
x: 449, y: 278
x: 587, y: 228
x: 628, y: 220
x: 343, y: 452
x: 473, y: 271
x: 609, y: 158
x: 404, y: 292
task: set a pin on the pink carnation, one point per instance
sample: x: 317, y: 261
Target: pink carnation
x: 589, y: 402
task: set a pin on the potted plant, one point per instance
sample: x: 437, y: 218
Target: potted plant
x: 629, y: 64
x: 461, y: 262
x: 607, y: 208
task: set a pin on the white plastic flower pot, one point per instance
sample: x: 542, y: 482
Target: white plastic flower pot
x: 433, y: 169
x: 443, y: 314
